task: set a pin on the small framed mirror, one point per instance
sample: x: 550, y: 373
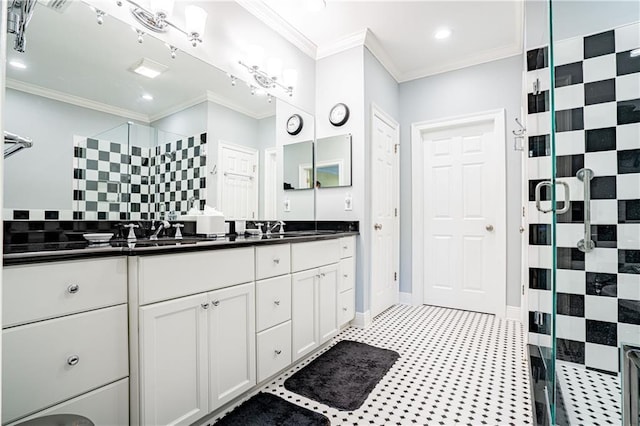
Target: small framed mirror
x: 333, y: 161
x: 298, y: 165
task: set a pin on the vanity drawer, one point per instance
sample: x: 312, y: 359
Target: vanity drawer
x: 347, y: 246
x: 273, y: 301
x: 169, y: 276
x: 47, y: 290
x: 273, y: 260
x: 274, y: 350
x: 38, y: 364
x: 106, y: 406
x: 346, y: 274
x: 346, y: 307
x: 314, y: 254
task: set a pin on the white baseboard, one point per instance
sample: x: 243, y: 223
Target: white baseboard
x: 513, y: 313
x: 362, y: 319
x: 406, y: 298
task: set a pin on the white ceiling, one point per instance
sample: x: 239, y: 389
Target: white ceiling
x: 401, y: 33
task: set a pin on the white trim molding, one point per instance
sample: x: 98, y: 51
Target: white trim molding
x: 75, y: 100
x: 497, y: 117
x: 406, y: 298
x: 345, y: 43
x: 513, y: 313
x: 362, y: 320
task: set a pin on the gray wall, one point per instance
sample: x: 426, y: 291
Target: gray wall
x: 266, y: 139
x: 41, y: 177
x: 594, y: 16
x: 188, y: 122
x: 479, y: 88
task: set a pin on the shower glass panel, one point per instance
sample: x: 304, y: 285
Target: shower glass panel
x: 592, y: 87
x: 137, y: 172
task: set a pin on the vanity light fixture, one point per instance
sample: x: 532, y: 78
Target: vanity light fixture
x: 156, y: 18
x: 100, y: 16
x: 269, y: 78
x: 148, y: 68
x: 442, y: 33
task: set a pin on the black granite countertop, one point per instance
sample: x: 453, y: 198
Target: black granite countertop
x: 15, y: 254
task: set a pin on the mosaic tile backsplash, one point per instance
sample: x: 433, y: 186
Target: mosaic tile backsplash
x: 597, y: 99
x: 113, y: 181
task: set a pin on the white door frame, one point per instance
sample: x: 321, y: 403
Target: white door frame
x: 270, y: 201
x: 417, y: 187
x: 376, y: 111
x: 251, y: 151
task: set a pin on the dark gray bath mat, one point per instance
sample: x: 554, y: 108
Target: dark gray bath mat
x: 343, y: 376
x: 266, y: 409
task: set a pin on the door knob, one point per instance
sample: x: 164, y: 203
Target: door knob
x: 489, y: 228
x: 377, y: 226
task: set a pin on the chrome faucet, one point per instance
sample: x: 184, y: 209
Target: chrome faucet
x: 278, y: 223
x: 163, y: 225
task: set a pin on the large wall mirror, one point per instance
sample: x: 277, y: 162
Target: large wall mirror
x: 109, y: 143
x: 333, y: 161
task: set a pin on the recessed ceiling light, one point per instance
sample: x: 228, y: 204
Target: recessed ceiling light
x: 17, y: 64
x: 442, y: 33
x: 147, y: 97
x: 148, y: 68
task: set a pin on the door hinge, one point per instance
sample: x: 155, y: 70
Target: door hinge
x: 523, y: 213
x: 523, y: 289
x: 395, y: 276
x: 395, y: 212
x: 395, y: 148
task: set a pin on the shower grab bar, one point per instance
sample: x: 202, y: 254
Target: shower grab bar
x: 567, y: 198
x: 586, y: 245
x: 17, y: 143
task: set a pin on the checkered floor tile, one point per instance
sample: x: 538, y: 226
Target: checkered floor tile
x: 455, y: 367
x: 590, y: 397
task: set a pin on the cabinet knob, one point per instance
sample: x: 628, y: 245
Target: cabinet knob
x: 205, y: 306
x: 322, y: 274
x: 345, y: 247
x: 73, y: 360
x: 344, y: 309
x: 346, y: 275
x: 215, y: 302
x: 276, y: 261
x: 278, y: 351
x: 276, y: 302
x: 73, y: 289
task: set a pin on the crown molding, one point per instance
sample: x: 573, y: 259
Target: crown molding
x: 375, y: 47
x: 264, y: 13
x: 75, y: 100
x: 340, y: 45
x: 177, y: 108
x: 215, y: 98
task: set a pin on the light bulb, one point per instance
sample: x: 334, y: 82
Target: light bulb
x: 274, y: 67
x: 442, y: 33
x: 255, y: 54
x: 195, y: 18
x: 140, y: 36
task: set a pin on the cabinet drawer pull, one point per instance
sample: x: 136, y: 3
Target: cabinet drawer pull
x: 73, y: 289
x: 344, y: 309
x: 205, y: 306
x: 215, y: 302
x: 278, y: 351
x: 276, y: 261
x: 345, y: 247
x: 73, y: 360
x: 346, y: 275
x: 276, y: 302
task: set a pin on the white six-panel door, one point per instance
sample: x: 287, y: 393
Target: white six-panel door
x: 237, y: 181
x: 462, y: 232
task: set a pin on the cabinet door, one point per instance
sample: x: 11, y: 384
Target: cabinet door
x: 232, y: 343
x: 304, y: 313
x: 173, y: 361
x: 328, y: 302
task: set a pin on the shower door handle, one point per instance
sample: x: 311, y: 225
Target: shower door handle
x: 586, y: 244
x: 567, y: 197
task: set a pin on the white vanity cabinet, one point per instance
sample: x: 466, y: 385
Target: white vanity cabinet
x: 65, y: 346
x: 314, y: 294
x: 195, y: 352
x: 346, y: 280
x: 273, y: 309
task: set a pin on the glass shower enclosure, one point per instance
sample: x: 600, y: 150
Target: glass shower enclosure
x: 583, y: 128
